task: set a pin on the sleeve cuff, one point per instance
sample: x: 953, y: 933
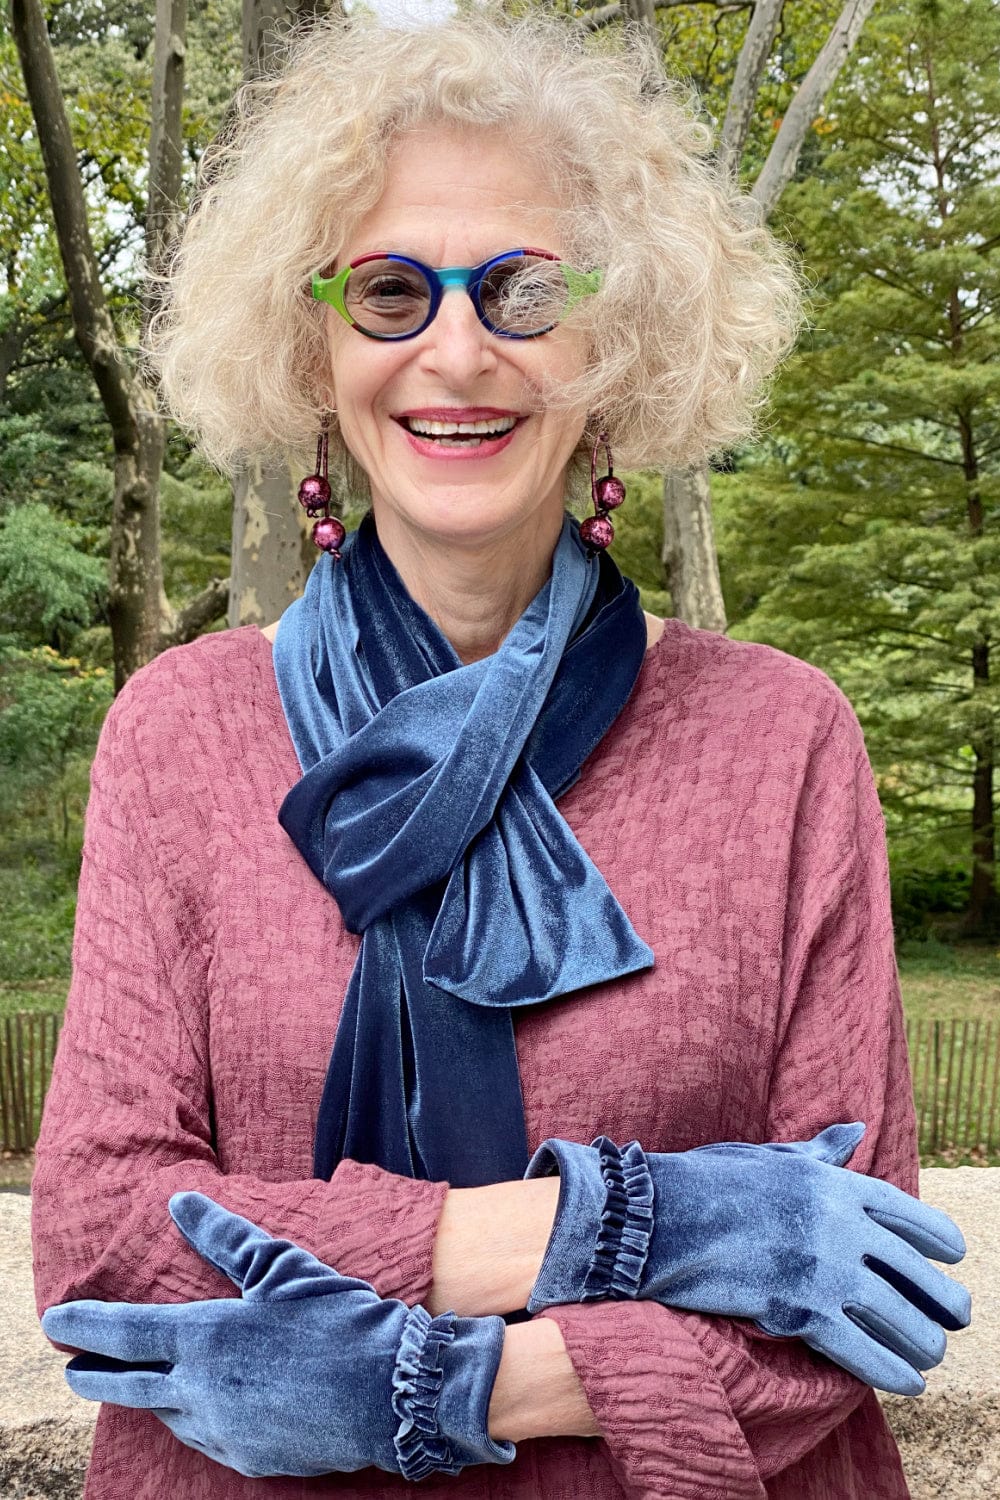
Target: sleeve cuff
x: 626, y: 1222
x: 421, y: 1447
x: 441, y: 1388
x: 600, y: 1238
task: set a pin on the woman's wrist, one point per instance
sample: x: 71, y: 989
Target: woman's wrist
x: 489, y: 1246
x: 537, y: 1392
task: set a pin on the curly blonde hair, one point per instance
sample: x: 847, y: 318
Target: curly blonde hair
x: 698, y: 301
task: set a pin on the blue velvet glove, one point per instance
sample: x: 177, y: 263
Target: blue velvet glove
x: 308, y: 1372
x: 777, y: 1233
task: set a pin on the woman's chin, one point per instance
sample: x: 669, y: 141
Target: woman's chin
x: 464, y: 516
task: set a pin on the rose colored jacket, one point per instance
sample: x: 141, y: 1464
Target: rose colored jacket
x: 732, y: 810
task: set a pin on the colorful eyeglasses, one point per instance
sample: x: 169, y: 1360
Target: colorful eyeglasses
x: 517, y: 295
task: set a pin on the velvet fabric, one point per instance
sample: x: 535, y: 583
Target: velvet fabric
x: 426, y: 807
x: 780, y: 1233
x: 307, y: 1372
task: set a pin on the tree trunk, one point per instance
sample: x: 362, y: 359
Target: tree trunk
x: 750, y: 67
x: 982, y: 918
x: 983, y: 915
x: 272, y: 551
x: 689, y: 556
x: 135, y: 579
x: 135, y: 593
x: 163, y: 211
x: 641, y: 11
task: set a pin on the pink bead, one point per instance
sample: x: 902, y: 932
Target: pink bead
x: 609, y: 492
x: 597, y: 532
x: 329, y: 534
x: 315, y: 493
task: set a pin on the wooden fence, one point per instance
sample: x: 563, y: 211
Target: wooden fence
x: 956, y: 1086
x: 27, y: 1047
x: 956, y: 1082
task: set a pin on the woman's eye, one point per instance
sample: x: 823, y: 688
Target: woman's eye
x: 389, y: 290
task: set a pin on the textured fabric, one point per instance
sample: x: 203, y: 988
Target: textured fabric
x: 732, y: 811
x: 780, y: 1233
x: 267, y: 1383
x: 426, y: 809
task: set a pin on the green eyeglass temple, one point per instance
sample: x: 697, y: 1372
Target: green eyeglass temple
x: 332, y: 289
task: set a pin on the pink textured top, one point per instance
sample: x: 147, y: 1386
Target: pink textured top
x: 731, y: 808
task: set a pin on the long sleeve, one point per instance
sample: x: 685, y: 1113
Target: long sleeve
x: 700, y: 1406
x: 129, y: 1115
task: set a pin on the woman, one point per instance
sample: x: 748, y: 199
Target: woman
x: 694, y: 947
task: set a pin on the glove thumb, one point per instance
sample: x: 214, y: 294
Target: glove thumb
x: 264, y: 1268
x: 835, y: 1145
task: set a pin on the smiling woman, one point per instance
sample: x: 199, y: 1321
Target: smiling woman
x: 481, y: 988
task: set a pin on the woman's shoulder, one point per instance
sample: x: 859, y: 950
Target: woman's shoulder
x: 202, y: 694
x: 744, y: 687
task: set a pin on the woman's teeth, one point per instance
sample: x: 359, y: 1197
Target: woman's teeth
x: 460, y: 434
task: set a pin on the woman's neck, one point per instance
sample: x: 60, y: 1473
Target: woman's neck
x: 475, y: 600
x: 474, y: 595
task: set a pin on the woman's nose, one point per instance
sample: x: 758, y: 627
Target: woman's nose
x: 456, y: 345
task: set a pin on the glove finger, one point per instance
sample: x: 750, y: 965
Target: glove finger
x: 936, y: 1295
x: 858, y: 1351
x: 834, y: 1145
x: 132, y: 1332
x: 98, y: 1379
x: 927, y: 1229
x: 262, y: 1267
x: 891, y: 1317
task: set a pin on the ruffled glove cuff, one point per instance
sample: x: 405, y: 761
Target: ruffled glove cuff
x: 603, y: 1185
x: 441, y: 1388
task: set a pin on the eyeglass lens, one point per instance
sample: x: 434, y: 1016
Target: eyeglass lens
x: 522, y: 296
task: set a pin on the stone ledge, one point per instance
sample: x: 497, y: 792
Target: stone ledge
x: 949, y: 1437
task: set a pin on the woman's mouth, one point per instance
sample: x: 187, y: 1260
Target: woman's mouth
x: 437, y: 439
x: 460, y: 434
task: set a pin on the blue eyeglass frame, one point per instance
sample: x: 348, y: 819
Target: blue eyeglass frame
x: 332, y: 289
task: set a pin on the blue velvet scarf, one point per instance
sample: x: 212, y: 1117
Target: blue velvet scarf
x: 426, y: 808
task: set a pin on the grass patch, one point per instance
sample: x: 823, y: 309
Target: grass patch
x: 38, y: 900
x: 34, y: 995
x: 947, y: 982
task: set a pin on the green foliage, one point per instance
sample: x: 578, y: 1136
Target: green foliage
x: 639, y: 539
x: 195, y: 521
x: 49, y: 588
x: 920, y: 895
x: 39, y: 907
x: 863, y: 535
x: 51, y: 708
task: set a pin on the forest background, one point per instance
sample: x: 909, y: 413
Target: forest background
x: 860, y: 531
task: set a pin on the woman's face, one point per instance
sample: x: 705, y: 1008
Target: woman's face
x: 455, y: 199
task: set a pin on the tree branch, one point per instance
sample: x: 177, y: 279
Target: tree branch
x: 92, y: 323
x: 753, y: 58
x: 853, y: 437
x: 206, y: 607
x: 165, y: 139
x: 602, y: 15
x: 783, y: 156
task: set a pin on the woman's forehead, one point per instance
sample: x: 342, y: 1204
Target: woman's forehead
x: 448, y: 186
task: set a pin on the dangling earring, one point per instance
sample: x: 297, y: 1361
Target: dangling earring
x: 608, y: 492
x: 315, y: 495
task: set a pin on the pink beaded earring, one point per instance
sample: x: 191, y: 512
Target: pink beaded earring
x: 597, y: 531
x: 315, y: 495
